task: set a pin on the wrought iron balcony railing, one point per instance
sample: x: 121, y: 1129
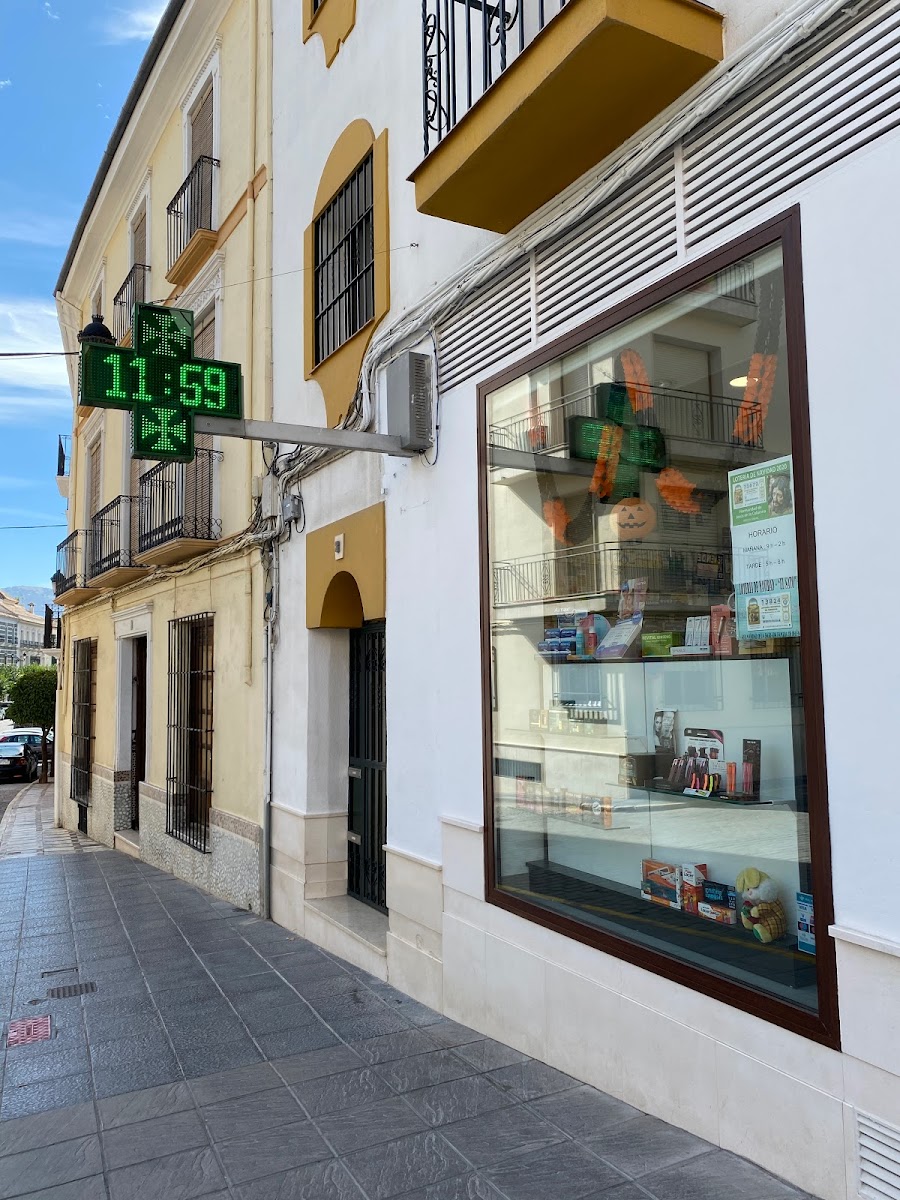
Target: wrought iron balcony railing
x: 678, y: 413
x: 586, y: 572
x: 192, y: 207
x: 134, y: 290
x: 466, y: 46
x: 63, y: 455
x: 71, y: 563
x: 112, y: 542
x: 176, y: 501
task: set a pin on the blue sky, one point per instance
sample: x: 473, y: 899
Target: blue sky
x: 65, y: 69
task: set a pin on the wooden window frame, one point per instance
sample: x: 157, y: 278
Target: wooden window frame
x: 822, y: 1026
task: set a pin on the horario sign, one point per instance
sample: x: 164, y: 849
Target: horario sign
x: 161, y: 382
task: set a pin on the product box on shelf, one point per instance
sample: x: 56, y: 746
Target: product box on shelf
x: 719, y: 903
x: 693, y: 876
x: 661, y: 883
x: 659, y: 644
x: 722, y: 630
x: 636, y: 770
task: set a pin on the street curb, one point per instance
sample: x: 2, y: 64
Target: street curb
x: 13, y: 805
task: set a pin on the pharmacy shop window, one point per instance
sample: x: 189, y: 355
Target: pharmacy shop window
x: 657, y: 783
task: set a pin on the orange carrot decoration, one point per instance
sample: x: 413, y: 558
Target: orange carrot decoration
x: 556, y: 516
x: 677, y: 491
x: 607, y: 464
x: 637, y: 381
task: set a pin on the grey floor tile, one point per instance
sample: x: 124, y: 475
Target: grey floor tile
x: 295, y: 1041
x: 494, y: 1136
x: 530, y: 1080
x: 381, y: 1122
x: 249, y: 1114
x: 342, y: 1092
x: 582, y: 1112
x: 80, y: 1189
x: 359, y: 1029
x: 265, y: 1019
x: 132, y: 1049
x: 392, y: 1046
x: 627, y: 1191
x: 47, y: 1166
x: 458, y: 1100
x: 565, y: 1172
x: 449, y: 1033
x: 392, y: 1168
x: 134, y: 1076
x: 644, y: 1145
x: 197, y: 1061
x: 228, y: 1085
x: 43, y: 1129
x: 271, y: 1151
x: 345, y: 1005
x: 315, y: 1063
x: 267, y: 990
x: 422, y: 1070
x: 318, y: 1181
x: 316, y: 986
x: 42, y: 1097
x: 714, y: 1175
x: 46, y: 1064
x: 488, y: 1055
x: 175, y: 1177
x: 470, y: 1186
x: 143, y: 1105
x: 154, y: 1138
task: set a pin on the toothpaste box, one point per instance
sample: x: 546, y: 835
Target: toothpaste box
x: 693, y: 876
x: 719, y: 902
x: 661, y: 883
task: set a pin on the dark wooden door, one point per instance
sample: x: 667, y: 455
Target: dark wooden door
x: 367, y: 815
x: 138, y: 725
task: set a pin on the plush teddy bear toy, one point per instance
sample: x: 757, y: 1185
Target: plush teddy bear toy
x: 762, y: 911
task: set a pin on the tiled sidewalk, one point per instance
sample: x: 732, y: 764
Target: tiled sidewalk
x: 221, y: 1056
x: 27, y: 827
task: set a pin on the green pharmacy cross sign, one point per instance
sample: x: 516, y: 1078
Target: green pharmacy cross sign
x: 161, y: 383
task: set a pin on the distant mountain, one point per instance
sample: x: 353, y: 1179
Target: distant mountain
x: 38, y: 596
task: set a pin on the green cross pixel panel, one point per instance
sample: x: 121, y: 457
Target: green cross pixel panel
x: 161, y: 382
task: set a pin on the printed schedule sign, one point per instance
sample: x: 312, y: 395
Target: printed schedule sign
x: 764, y: 548
x: 161, y: 382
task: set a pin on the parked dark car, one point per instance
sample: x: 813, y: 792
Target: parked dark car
x: 30, y: 741
x: 18, y: 761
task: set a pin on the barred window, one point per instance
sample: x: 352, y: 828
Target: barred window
x: 345, y: 263
x: 189, y: 783
x: 84, y: 707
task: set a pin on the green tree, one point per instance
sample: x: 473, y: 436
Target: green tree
x: 33, y: 702
x: 8, y: 676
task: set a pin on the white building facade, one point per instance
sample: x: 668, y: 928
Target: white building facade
x: 559, y: 707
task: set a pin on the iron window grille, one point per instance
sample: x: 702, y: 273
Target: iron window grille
x: 189, y: 747
x: 191, y: 208
x: 84, y: 705
x: 345, y: 263
x: 133, y: 291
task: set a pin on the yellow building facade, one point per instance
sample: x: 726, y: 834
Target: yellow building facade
x: 160, y: 721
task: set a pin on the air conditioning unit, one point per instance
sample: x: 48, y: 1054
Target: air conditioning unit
x: 409, y: 400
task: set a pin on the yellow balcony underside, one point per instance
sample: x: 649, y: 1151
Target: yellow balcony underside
x: 176, y: 550
x: 195, y: 255
x: 599, y: 72
x: 77, y: 595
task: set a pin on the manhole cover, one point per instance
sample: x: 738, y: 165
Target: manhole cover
x: 70, y: 989
x: 30, y: 1029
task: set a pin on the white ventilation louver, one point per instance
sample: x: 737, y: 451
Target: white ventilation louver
x: 629, y: 239
x: 879, y: 1158
x: 495, y: 325
x: 839, y: 95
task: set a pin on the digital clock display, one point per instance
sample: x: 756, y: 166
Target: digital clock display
x: 161, y: 382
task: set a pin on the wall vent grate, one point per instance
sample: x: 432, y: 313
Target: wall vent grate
x: 627, y: 241
x: 70, y: 989
x: 841, y: 92
x: 878, y: 1147
x: 496, y: 324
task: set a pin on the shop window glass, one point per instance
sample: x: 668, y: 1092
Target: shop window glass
x: 650, y: 773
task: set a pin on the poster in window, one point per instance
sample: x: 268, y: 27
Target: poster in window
x: 764, y: 547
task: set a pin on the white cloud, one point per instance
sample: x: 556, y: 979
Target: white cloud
x: 31, y: 388
x: 134, y: 24
x: 54, y: 16
x: 35, y: 229
x: 5, y: 83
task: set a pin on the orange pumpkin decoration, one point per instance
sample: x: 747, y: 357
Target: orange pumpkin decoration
x: 632, y: 518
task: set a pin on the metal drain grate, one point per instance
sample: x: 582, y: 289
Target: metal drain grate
x: 70, y: 989
x: 27, y: 1030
